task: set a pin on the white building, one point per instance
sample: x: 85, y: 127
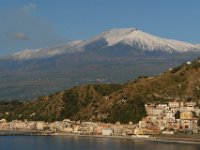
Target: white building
x: 40, y: 125
x: 158, y: 111
x: 107, y: 131
x: 174, y: 104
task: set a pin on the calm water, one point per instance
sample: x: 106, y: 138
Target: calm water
x: 85, y: 143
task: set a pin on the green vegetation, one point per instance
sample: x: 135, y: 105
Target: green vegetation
x: 176, y: 69
x: 70, y: 104
x: 106, y: 89
x: 109, y: 102
x: 177, y: 114
x: 198, y: 123
x: 131, y: 110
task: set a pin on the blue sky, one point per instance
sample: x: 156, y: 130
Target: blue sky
x: 30, y: 24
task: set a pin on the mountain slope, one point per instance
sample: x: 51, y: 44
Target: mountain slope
x: 109, y: 102
x: 45, y: 52
x: 143, y: 41
x: 132, y: 37
x: 115, y: 56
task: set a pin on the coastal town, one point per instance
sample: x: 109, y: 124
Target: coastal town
x: 162, y: 118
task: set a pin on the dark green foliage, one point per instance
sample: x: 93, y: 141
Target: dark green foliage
x: 198, y: 123
x: 195, y: 64
x: 194, y: 114
x: 177, y: 114
x: 70, y: 104
x: 41, y: 109
x: 7, y: 108
x: 197, y: 91
x: 132, y: 110
x: 178, y: 78
x: 142, y: 77
x: 106, y: 89
x: 176, y: 69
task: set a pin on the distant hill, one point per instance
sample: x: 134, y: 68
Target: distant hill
x: 114, y: 56
x: 111, y: 102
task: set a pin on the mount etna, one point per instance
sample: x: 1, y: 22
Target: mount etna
x: 116, y: 56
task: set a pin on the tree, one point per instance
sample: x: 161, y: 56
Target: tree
x: 177, y: 114
x: 198, y: 123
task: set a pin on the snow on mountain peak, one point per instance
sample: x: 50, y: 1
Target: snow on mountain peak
x: 114, y: 36
x: 47, y: 52
x: 133, y: 37
x: 144, y: 41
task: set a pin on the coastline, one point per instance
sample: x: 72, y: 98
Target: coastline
x: 152, y: 139
x: 166, y: 139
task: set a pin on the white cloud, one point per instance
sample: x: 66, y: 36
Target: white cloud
x: 18, y: 36
x: 28, y: 8
x: 20, y: 29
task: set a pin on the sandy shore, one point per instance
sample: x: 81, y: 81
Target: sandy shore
x: 153, y: 139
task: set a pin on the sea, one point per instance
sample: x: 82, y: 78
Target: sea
x: 86, y: 143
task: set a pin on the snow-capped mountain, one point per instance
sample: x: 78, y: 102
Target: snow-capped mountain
x: 143, y: 41
x: 114, y: 56
x: 46, y: 52
x: 131, y: 37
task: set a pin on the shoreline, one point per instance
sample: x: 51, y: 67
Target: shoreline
x: 152, y: 139
x: 167, y: 139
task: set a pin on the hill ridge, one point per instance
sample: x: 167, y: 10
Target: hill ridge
x: 111, y: 102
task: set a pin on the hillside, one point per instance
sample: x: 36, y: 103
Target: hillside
x: 110, y: 102
x: 113, y: 56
